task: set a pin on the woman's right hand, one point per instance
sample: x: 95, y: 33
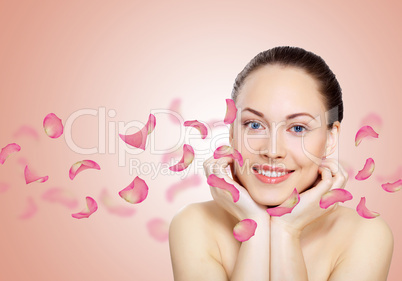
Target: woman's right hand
x: 245, y: 207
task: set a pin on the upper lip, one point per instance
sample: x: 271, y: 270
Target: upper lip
x: 266, y: 167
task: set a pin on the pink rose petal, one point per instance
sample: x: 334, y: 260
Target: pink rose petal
x: 158, y: 229
x: 135, y: 192
x: 199, y: 126
x: 182, y: 185
x: 287, y: 206
x: 30, y: 209
x: 114, y: 208
x: 7, y: 150
x: 333, y: 196
x: 373, y: 120
x: 26, y: 130
x: 228, y: 151
x: 53, y: 126
x: 169, y: 155
x: 80, y: 166
x: 4, y: 187
x: 367, y: 170
x: 32, y: 177
x: 139, y: 139
x: 244, y: 230
x: 364, y: 132
x: 22, y: 161
x: 392, y: 187
x: 186, y: 160
x: 215, y: 181
x: 231, y: 112
x: 61, y: 196
x: 363, y: 211
x: 215, y: 123
x: 175, y: 107
x: 85, y: 213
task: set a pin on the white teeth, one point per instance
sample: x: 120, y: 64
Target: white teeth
x: 271, y: 174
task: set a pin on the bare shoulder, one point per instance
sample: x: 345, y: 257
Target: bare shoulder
x: 367, y: 246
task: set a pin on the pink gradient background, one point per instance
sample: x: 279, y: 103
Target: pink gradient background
x: 135, y: 56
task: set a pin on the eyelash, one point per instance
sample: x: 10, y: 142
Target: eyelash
x: 297, y: 125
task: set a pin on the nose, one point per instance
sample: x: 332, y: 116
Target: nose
x: 274, y: 146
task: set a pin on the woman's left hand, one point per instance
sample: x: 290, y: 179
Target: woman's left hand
x: 331, y: 175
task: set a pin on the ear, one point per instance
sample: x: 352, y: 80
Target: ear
x: 332, y: 138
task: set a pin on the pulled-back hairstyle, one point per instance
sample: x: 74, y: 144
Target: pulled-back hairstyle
x: 307, y: 61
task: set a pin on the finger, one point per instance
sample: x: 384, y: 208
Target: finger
x: 338, y: 172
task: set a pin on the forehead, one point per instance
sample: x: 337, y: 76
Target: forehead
x: 278, y: 91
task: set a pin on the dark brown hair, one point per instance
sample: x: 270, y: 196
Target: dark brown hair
x: 311, y: 64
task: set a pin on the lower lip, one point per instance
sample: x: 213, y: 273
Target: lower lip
x: 266, y: 179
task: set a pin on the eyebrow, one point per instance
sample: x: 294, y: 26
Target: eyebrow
x: 290, y: 116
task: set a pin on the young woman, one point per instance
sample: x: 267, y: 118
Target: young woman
x: 289, y: 113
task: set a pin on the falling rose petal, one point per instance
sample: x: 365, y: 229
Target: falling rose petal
x: 215, y: 123
x: 364, y: 212
x: 182, y: 185
x: 372, y: 119
x: 114, y: 208
x: 169, y: 155
x: 199, y: 126
x: 80, y: 166
x: 231, y: 112
x: 244, y: 230
x: 30, y: 209
x: 31, y: 177
x: 135, y: 192
x: 392, y: 187
x: 287, y: 206
x: 158, y: 229
x: 367, y: 170
x: 186, y: 160
x: 90, y: 209
x: 333, y: 196
x: 61, y: 196
x: 228, y: 151
x: 365, y: 131
x: 7, y: 150
x: 26, y: 130
x: 53, y: 126
x: 4, y: 187
x: 175, y: 111
x: 139, y: 139
x: 22, y: 161
x: 215, y: 181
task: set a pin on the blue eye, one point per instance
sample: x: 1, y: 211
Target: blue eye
x: 299, y: 129
x: 253, y: 125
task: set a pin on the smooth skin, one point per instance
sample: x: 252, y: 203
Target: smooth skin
x: 310, y: 243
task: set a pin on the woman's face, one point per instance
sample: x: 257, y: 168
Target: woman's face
x: 280, y: 124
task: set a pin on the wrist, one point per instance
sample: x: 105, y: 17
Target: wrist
x: 279, y: 227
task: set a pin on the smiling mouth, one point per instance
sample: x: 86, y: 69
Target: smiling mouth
x: 272, y: 174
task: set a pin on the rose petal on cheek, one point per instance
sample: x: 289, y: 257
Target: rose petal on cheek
x: 91, y: 208
x: 60, y: 196
x: 158, y: 229
x: 199, y: 126
x: 228, y: 151
x: 215, y: 181
x: 30, y: 209
x: 333, y: 196
x: 392, y: 187
x: 182, y: 185
x: 26, y: 130
x: 80, y: 166
x: 365, y: 131
x: 287, y: 206
x: 53, y: 126
x: 31, y: 177
x: 135, y: 192
x: 112, y: 207
x: 364, y: 212
x: 244, y: 230
x: 139, y: 139
x: 7, y: 150
x: 367, y: 170
x: 186, y: 160
x: 231, y: 112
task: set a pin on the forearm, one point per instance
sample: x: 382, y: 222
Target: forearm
x: 287, y: 261
x: 253, y: 258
